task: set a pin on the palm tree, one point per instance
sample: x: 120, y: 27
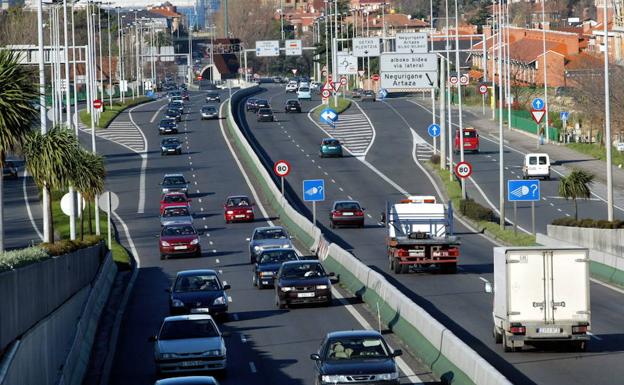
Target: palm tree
x: 575, y: 186
x: 88, y: 179
x: 51, y: 159
x: 17, y: 112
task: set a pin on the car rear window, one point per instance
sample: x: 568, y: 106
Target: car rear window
x: 278, y: 256
x: 470, y: 134
x: 178, y: 230
x: 177, y: 180
x: 205, y: 282
x: 176, y: 212
x: 242, y: 201
x: 331, y: 142
x: 347, y: 206
x: 271, y: 234
x: 264, y: 111
x: 543, y: 160
x: 175, y: 199
x: 532, y: 160
x: 304, y: 89
x: 356, y: 348
x: 186, y: 329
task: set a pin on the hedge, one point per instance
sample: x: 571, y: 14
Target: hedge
x: 589, y: 223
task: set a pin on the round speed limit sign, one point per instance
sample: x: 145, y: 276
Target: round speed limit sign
x: 281, y: 168
x: 463, y: 169
x: 483, y: 89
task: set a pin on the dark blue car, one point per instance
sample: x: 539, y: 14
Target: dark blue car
x: 268, y: 263
x: 198, y: 291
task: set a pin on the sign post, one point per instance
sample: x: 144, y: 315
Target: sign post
x: 537, y: 112
x: 109, y: 202
x: 314, y: 191
x: 281, y: 169
x: 523, y: 191
x: 434, y: 131
x: 483, y: 90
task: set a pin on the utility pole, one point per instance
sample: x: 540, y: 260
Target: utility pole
x: 99, y: 16
x: 501, y: 175
x: 546, y: 131
x: 607, y: 116
x: 459, y: 97
x: 442, y: 113
x: 282, y: 18
x: 76, y: 117
x: 42, y: 111
x: 110, y: 60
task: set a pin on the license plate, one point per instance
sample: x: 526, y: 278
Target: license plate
x: 331, y: 148
x: 549, y: 330
x: 240, y: 216
x: 305, y: 295
x: 171, y: 150
x: 347, y: 214
x: 191, y: 363
x: 200, y: 310
x: 467, y: 144
x: 179, y: 247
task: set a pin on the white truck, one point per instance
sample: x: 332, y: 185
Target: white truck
x: 541, y: 295
x: 420, y: 234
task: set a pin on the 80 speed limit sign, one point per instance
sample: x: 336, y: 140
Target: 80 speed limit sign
x: 463, y: 169
x: 281, y: 168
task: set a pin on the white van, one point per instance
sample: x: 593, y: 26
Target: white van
x: 536, y: 166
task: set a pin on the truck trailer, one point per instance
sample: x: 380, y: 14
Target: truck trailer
x: 541, y: 295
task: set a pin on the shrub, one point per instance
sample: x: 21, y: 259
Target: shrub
x: 435, y: 159
x: 589, y: 223
x: 15, y: 258
x: 473, y: 210
x: 65, y: 246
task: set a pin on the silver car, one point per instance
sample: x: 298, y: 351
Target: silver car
x: 268, y: 238
x: 209, y: 112
x: 189, y: 343
x: 176, y: 215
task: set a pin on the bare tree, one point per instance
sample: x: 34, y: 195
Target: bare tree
x: 249, y: 23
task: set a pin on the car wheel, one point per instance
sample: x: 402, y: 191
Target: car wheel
x: 163, y: 257
x: 198, y: 253
x: 332, y: 225
x: 396, y: 267
x: 254, y: 280
x: 279, y: 304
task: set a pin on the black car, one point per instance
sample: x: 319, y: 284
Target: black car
x: 173, y: 114
x: 292, y: 105
x: 198, y: 291
x: 261, y: 103
x: 250, y: 104
x: 300, y: 282
x: 209, y: 112
x: 185, y: 95
x: 357, y: 356
x: 268, y: 263
x: 167, y: 126
x: 265, y: 115
x: 213, y: 97
x: 170, y: 146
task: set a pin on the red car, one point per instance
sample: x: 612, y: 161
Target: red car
x: 471, y: 140
x: 179, y: 240
x: 238, y: 208
x: 346, y: 213
x: 173, y: 199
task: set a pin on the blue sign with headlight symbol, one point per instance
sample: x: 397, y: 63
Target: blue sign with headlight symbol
x: 314, y: 190
x: 523, y: 190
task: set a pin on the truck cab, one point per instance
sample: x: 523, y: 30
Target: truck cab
x: 471, y: 140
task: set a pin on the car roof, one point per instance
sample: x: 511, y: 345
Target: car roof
x: 324, y: 139
x: 194, y: 380
x: 346, y: 201
x: 188, y: 317
x: 264, y: 228
x: 176, y: 207
x: 237, y: 196
x: 173, y: 174
x: 537, y: 154
x: 303, y: 261
x: 353, y: 333
x: 292, y: 101
x: 186, y: 273
x: 174, y: 193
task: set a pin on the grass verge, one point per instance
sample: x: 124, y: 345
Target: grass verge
x: 110, y: 113
x: 507, y: 236
x: 598, y: 152
x: 339, y: 107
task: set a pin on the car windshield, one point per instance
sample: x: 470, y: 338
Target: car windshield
x: 172, y: 112
x: 251, y: 101
x: 170, y: 141
x: 238, y: 201
x: 304, y: 89
x: 262, y: 103
x: 356, y: 349
x: 209, y: 109
x: 264, y: 111
x: 206, y: 282
x: 186, y: 329
x: 277, y: 256
x: 270, y: 234
x: 212, y: 94
x: 347, y: 206
x: 176, y: 212
x: 303, y: 270
x: 166, y: 122
x: 331, y: 142
x: 175, y: 199
x: 172, y: 231
x: 174, y: 180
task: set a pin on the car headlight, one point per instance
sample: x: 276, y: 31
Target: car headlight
x: 388, y: 376
x: 266, y: 273
x: 286, y: 245
x: 164, y: 243
x: 195, y: 241
x: 164, y: 148
x: 215, y: 352
x: 257, y: 248
x: 166, y: 356
x: 334, y: 379
x: 219, y: 300
x: 321, y: 287
x: 286, y: 288
x: 177, y: 303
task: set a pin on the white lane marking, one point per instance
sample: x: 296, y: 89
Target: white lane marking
x: 483, y: 279
x: 230, y: 299
x: 340, y: 188
x: 552, y: 204
x: 407, y: 371
x: 349, y: 197
x: 333, y: 181
x: 325, y: 172
x: 559, y: 210
x: 141, y: 208
x: 567, y: 215
x: 210, y: 243
x: 199, y: 200
x: 252, y: 367
x: 220, y: 271
x: 594, y: 336
x: 368, y: 215
x: 205, y: 226
x: 243, y: 339
x: 201, y: 208
x: 30, y: 215
x: 216, y: 260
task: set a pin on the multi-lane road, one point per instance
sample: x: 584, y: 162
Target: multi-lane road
x: 266, y: 345
x: 386, y: 171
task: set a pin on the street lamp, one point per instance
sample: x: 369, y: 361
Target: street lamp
x: 607, y: 115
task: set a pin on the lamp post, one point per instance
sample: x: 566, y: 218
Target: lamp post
x: 459, y: 97
x: 110, y: 60
x: 607, y: 116
x: 501, y: 182
x: 42, y: 105
x: 546, y: 130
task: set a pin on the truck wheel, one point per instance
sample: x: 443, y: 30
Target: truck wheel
x: 498, y: 338
x: 396, y: 266
x: 404, y: 269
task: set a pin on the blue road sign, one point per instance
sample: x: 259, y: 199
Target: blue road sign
x: 150, y: 94
x: 538, y: 104
x: 563, y: 115
x: 383, y: 93
x: 314, y: 190
x: 523, y: 190
x: 329, y: 116
x: 434, y: 130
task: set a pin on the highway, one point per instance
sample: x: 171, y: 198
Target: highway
x: 266, y: 345
x: 385, y: 173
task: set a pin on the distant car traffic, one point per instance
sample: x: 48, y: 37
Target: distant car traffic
x: 265, y: 115
x: 176, y: 215
x: 189, y: 343
x: 170, y: 146
x: 292, y: 105
x: 238, y: 208
x: 268, y: 238
x: 176, y: 105
x: 471, y: 140
x: 9, y: 171
x: 209, y: 112
x: 174, y: 183
x: 179, y: 240
x: 368, y: 96
x: 304, y: 93
x: 356, y: 93
x: 250, y: 104
x: 330, y: 147
x: 188, y: 380
x: 198, y: 291
x: 355, y: 356
x: 185, y: 95
x: 167, y: 126
x: 346, y: 213
x: 268, y: 263
x: 213, y: 96
x: 174, y: 199
x: 299, y: 282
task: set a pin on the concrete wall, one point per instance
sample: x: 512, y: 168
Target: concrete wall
x: 32, y: 292
x: 605, y: 240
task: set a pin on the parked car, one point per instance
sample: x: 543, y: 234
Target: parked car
x: 213, y: 96
x: 176, y: 215
x: 471, y: 140
x: 174, y: 114
x: 198, y: 291
x: 292, y: 105
x: 170, y: 146
x: 250, y: 104
x: 330, y: 147
x: 356, y: 93
x: 179, y: 240
x: 291, y: 86
x: 167, y: 126
x: 299, y: 282
x: 346, y: 213
x: 174, y: 183
x: 268, y: 263
x: 268, y: 238
x: 174, y: 199
x: 189, y: 343
x: 304, y: 93
x: 238, y: 208
x: 265, y: 115
x: 355, y: 356
x: 188, y: 380
x: 368, y: 96
x: 536, y: 166
x: 9, y: 171
x: 209, y: 112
